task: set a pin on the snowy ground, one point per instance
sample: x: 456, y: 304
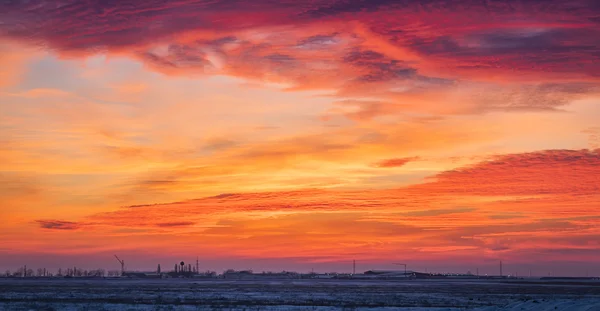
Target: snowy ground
x: 297, y: 295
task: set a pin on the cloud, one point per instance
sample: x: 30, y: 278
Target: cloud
x: 550, y: 172
x: 362, y: 110
x: 340, y: 7
x: 433, y: 101
x: 58, y: 225
x: 594, y: 137
x: 507, y: 216
x: 175, y: 224
x: 531, y: 97
x: 219, y: 144
x: 353, y: 48
x: 439, y: 212
x: 397, y: 162
x: 21, y: 193
x: 399, y: 87
x: 13, y: 60
x: 512, y: 219
x: 376, y: 67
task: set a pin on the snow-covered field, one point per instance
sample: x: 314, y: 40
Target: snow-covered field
x: 296, y: 295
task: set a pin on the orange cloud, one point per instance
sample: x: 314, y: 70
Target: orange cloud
x: 552, y: 172
x: 13, y: 59
x: 301, y: 96
x: 395, y: 162
x: 534, y: 206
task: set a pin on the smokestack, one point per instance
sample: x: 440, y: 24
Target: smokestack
x: 354, y: 267
x: 197, y: 266
x: 500, y: 267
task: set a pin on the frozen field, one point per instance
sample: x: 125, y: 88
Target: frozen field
x: 297, y: 295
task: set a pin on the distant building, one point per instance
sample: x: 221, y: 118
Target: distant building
x: 145, y: 275
x: 391, y: 273
x: 249, y: 275
x: 237, y: 275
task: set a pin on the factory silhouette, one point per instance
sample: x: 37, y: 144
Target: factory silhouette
x: 188, y: 270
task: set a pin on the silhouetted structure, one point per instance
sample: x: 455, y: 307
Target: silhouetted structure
x: 182, y: 271
x: 402, y: 264
x: 122, y: 262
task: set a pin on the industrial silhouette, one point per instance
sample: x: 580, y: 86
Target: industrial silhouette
x: 183, y: 270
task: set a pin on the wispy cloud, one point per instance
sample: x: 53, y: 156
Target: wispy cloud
x: 551, y: 172
x: 58, y: 225
x: 424, y: 218
x: 335, y: 124
x: 174, y: 224
x: 363, y: 48
x: 397, y: 162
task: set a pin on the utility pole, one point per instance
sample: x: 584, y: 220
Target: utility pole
x: 402, y: 264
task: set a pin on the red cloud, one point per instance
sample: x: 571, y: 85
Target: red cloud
x: 394, y: 162
x: 356, y: 48
x: 175, y: 224
x: 551, y: 172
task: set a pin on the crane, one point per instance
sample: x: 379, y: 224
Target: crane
x: 122, y: 262
x: 401, y: 264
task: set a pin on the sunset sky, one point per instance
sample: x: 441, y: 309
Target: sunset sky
x: 298, y: 135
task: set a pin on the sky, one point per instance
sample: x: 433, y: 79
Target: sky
x: 299, y: 135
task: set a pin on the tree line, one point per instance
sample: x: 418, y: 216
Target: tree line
x: 68, y: 272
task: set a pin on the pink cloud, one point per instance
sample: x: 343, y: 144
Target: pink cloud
x: 398, y: 162
x: 355, y: 48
